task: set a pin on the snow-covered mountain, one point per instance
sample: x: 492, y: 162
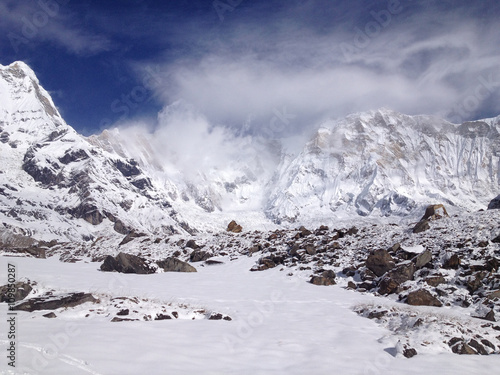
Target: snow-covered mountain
x: 55, y: 183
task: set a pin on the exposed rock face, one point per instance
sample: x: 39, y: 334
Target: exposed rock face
x: 423, y: 297
x: 494, y: 204
x: 15, y: 292
x: 126, y: 263
x: 52, y: 303
x: 422, y: 259
x: 434, y: 212
x: 130, y: 236
x: 380, y: 262
x: 175, y: 265
x: 234, y: 227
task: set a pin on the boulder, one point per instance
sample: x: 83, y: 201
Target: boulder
x: 422, y: 259
x: 199, y: 256
x: 175, y: 265
x: 126, y: 263
x: 192, y: 245
x: 14, y: 292
x: 452, y: 262
x: 434, y: 212
x: 495, y: 203
x: 130, y: 236
x: 50, y: 302
x: 327, y: 278
x: 380, y: 262
x: 234, y: 227
x: 422, y: 297
x: 421, y: 226
x: 397, y: 276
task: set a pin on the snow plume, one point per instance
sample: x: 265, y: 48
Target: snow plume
x: 184, y: 143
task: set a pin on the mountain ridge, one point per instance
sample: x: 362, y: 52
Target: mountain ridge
x: 58, y: 183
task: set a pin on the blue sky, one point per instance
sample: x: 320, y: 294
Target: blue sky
x: 243, y: 63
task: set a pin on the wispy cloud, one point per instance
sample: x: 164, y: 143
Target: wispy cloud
x: 27, y: 24
x: 423, y: 60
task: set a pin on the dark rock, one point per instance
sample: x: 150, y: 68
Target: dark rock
x: 50, y: 315
x: 121, y: 228
x: 53, y: 302
x: 463, y: 348
x: 128, y: 168
x: 131, y: 236
x: 380, y: 262
x: 422, y: 297
x: 126, y: 263
x: 490, y: 316
x: 434, y: 212
x: 234, y: 227
x: 199, y: 256
x: 142, y: 183
x: 213, y: 262
x: 496, y: 239
x: 123, y: 312
x: 311, y: 250
x: 14, y: 292
x: 488, y: 343
x: 409, y: 352
x: 175, y: 265
x: 192, y: 245
x: 376, y: 314
x: 162, y: 317
x: 327, y: 278
x: 72, y: 156
x: 116, y: 319
x: 422, y: 259
x: 397, y: 276
x: 494, y: 204
x: 264, y: 264
x: 478, y: 347
x: 435, y: 280
x: 421, y: 226
x: 452, y: 262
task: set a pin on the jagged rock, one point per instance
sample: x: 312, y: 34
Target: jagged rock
x: 422, y: 259
x: 14, y: 292
x: 199, y: 256
x: 264, y: 264
x: 397, y: 276
x: 495, y: 203
x: 311, y: 250
x: 422, y: 297
x: 163, y: 317
x: 175, y: 265
x: 409, y: 352
x: 123, y: 312
x: 421, y: 226
x: 72, y: 156
x: 128, y: 168
x: 380, y: 262
x: 477, y: 347
x: 192, y: 245
x: 121, y: 228
x: 50, y: 315
x: 435, y: 280
x: 129, y: 237
x: 126, y: 263
x: 452, y: 262
x: 490, y: 316
x: 327, y: 278
x: 234, y: 227
x: 55, y: 302
x: 463, y: 348
x: 432, y: 212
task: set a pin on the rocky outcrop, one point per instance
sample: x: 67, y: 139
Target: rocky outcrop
x: 494, y: 204
x: 422, y: 297
x: 126, y: 263
x: 395, y: 277
x: 14, y: 292
x: 175, y: 265
x: 50, y: 302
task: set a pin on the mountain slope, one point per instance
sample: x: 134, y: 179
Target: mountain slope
x: 57, y: 184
